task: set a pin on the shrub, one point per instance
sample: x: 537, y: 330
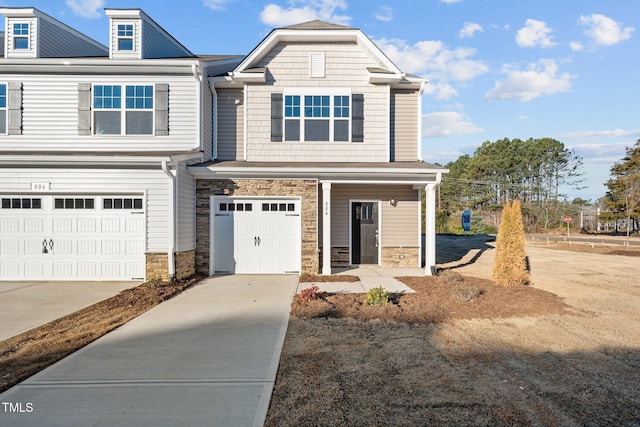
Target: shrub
x: 451, y: 277
x: 378, y: 295
x: 510, y: 265
x: 466, y: 293
x: 312, y: 293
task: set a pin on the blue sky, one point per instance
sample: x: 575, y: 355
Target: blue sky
x: 497, y: 68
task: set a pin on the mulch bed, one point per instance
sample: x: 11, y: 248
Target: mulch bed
x: 309, y: 278
x: 435, y: 301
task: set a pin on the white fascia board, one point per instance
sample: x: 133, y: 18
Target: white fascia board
x: 146, y: 67
x: 249, y: 77
x: 123, y: 13
x: 93, y: 160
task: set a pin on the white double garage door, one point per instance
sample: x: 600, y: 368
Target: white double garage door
x: 255, y: 235
x: 62, y: 237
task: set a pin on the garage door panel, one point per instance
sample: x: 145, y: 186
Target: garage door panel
x: 84, y: 239
x: 62, y: 225
x: 33, y: 225
x: 264, y: 239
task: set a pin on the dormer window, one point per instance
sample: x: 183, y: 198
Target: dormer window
x: 21, y: 36
x: 125, y: 36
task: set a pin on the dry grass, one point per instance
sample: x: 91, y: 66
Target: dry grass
x: 586, y: 247
x: 26, y: 354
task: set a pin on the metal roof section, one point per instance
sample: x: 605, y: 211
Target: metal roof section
x: 51, y: 38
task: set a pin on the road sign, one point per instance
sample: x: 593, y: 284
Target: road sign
x: 568, y: 219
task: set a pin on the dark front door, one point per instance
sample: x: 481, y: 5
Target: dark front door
x: 364, y: 233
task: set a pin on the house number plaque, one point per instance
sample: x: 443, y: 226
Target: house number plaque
x: 40, y: 186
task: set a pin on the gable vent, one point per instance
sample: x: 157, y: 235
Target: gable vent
x: 317, y: 64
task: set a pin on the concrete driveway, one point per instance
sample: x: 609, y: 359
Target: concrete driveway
x: 207, y: 357
x: 25, y: 305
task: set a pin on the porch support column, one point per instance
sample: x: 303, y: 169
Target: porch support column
x: 430, y: 230
x: 326, y: 228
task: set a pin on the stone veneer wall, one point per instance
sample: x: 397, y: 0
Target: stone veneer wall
x: 339, y: 257
x: 157, y: 266
x: 400, y: 257
x: 307, y: 190
x: 185, y: 264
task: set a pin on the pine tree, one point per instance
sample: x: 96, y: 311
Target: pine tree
x: 510, y: 265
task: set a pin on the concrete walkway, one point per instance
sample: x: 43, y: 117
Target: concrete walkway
x: 25, y: 305
x: 208, y: 357
x: 370, y: 277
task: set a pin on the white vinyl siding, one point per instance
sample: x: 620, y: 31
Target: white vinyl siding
x: 186, y: 209
x: 399, y: 224
x: 231, y: 124
x: 50, y: 116
x: 404, y: 125
x: 153, y: 184
x: 345, y: 68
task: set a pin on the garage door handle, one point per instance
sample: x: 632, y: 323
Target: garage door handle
x: 44, y: 247
x: 255, y: 241
x: 258, y: 241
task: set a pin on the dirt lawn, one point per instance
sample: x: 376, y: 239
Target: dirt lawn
x: 572, y: 366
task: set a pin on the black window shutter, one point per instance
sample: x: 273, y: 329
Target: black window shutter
x: 357, y: 118
x: 276, y: 117
x: 84, y: 108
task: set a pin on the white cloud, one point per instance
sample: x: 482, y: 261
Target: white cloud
x: 86, y: 8
x: 304, y: 10
x: 615, y: 133
x: 576, y: 46
x: 603, y: 30
x: 469, y: 30
x: 447, y: 123
x: 539, y: 79
x: 450, y: 1
x: 384, y: 14
x: 440, y: 91
x: 216, y: 4
x: 534, y: 34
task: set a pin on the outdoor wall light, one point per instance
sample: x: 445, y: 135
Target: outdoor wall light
x: 393, y: 202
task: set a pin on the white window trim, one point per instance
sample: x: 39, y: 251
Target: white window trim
x: 331, y: 92
x: 27, y: 36
x: 123, y: 111
x: 132, y: 37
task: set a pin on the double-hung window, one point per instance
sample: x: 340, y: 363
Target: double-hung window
x: 317, y: 117
x: 123, y: 110
x: 3, y: 109
x: 21, y: 36
x: 125, y: 36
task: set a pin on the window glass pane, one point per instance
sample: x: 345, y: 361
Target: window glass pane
x: 88, y: 203
x: 240, y: 206
x: 265, y: 207
x: 21, y: 43
x: 128, y: 203
x: 232, y: 207
x: 139, y: 123
x: 282, y: 207
x: 3, y: 121
x: 107, y: 122
x: 341, y: 106
x: 223, y: 207
x: 117, y: 203
x: 274, y: 207
x: 125, y: 44
x: 341, y: 130
x: 16, y: 203
x: 6, y: 203
x: 59, y: 203
x: 79, y: 203
x: 291, y: 207
x: 248, y: 207
x: 36, y: 204
x: 137, y: 203
x: 20, y: 29
x: 3, y: 96
x: 316, y: 130
x: 125, y: 30
x: 106, y: 96
x: 292, y: 106
x: 107, y: 204
x: 292, y: 130
x: 139, y: 97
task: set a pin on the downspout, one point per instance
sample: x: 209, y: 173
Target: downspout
x: 195, y: 70
x: 172, y: 221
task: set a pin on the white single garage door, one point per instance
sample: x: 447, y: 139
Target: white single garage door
x: 256, y: 235
x: 88, y: 237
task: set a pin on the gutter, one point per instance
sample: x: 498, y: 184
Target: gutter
x: 172, y: 220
